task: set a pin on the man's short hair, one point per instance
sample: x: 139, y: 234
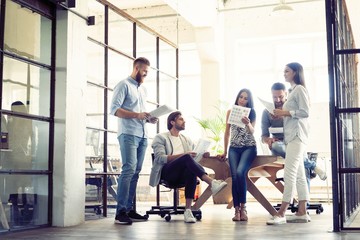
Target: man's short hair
x: 172, y: 117
x: 141, y: 60
x: 278, y: 86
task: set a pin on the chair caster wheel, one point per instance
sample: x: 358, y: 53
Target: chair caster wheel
x: 168, y: 218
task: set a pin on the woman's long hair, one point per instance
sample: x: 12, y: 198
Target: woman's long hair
x: 250, y: 103
x: 299, y: 73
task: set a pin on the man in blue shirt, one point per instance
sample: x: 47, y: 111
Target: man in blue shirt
x: 128, y: 104
x: 276, y: 140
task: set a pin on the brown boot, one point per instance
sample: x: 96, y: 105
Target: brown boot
x: 243, y: 214
x: 237, y: 215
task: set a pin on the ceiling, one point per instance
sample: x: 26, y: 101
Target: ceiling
x: 191, y: 13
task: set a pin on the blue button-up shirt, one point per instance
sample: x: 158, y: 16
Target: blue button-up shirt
x: 130, y: 96
x: 298, y: 105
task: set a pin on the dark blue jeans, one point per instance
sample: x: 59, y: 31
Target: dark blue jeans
x: 183, y: 171
x: 240, y: 160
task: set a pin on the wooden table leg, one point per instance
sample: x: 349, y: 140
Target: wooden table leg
x: 260, y: 197
x: 202, y: 199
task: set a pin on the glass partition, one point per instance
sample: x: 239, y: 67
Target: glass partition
x: 95, y: 63
x: 95, y: 106
x: 110, y: 60
x: 24, y: 200
x: 120, y: 33
x: 25, y: 144
x: 146, y: 46
x: 119, y: 68
x: 27, y: 34
x: 29, y: 84
x: 167, y: 61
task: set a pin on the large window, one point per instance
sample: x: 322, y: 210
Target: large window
x: 114, y: 42
x: 26, y: 73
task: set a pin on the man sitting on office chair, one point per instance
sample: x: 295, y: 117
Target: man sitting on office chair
x: 276, y: 143
x: 174, y: 162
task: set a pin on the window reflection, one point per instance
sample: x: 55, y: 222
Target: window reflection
x: 26, y: 83
x: 27, y: 34
x: 28, y: 142
x: 27, y: 203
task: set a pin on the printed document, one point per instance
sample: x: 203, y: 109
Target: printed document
x: 162, y: 110
x: 201, y: 148
x: 237, y: 113
x: 268, y: 105
x: 275, y: 130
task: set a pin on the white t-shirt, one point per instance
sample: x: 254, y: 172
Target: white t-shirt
x: 177, y: 145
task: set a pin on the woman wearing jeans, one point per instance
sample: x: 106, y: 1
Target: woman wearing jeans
x: 242, y: 152
x: 295, y: 112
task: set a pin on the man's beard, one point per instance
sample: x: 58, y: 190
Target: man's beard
x: 279, y: 105
x: 179, y: 127
x: 139, y: 78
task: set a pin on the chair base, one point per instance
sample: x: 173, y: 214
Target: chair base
x: 314, y: 206
x: 167, y: 211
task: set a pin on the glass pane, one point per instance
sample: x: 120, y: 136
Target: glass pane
x: 351, y: 193
x: 94, y: 106
x: 120, y: 33
x: 347, y: 72
x: 96, y: 31
x: 350, y: 123
x: 27, y: 34
x: 95, y: 63
x: 348, y: 28
x: 114, y: 156
x: 28, y: 84
x: 94, y: 146
x: 146, y: 46
x: 24, y: 199
x: 112, y: 120
x: 120, y: 67
x: 27, y: 144
x: 167, y: 59
x: 4, y: 143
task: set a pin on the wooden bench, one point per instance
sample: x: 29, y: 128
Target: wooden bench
x: 263, y: 166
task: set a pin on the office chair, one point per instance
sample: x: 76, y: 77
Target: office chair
x: 175, y: 209
x: 310, y: 206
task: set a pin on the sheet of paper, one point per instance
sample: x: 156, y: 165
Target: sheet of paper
x: 268, y: 105
x: 237, y: 113
x: 200, y: 148
x: 162, y: 110
x: 273, y: 130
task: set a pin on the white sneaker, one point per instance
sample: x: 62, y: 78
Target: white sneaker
x: 189, y: 217
x: 321, y: 173
x: 298, y: 219
x: 217, y: 186
x: 275, y: 220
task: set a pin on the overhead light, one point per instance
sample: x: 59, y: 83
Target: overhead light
x: 281, y: 9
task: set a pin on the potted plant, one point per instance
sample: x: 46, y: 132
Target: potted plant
x: 215, y: 126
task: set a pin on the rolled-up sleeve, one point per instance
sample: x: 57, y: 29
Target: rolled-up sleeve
x: 118, y: 98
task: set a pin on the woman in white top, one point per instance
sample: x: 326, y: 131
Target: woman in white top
x: 295, y: 113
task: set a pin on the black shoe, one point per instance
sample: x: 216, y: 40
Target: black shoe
x: 134, y: 216
x: 123, y: 218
